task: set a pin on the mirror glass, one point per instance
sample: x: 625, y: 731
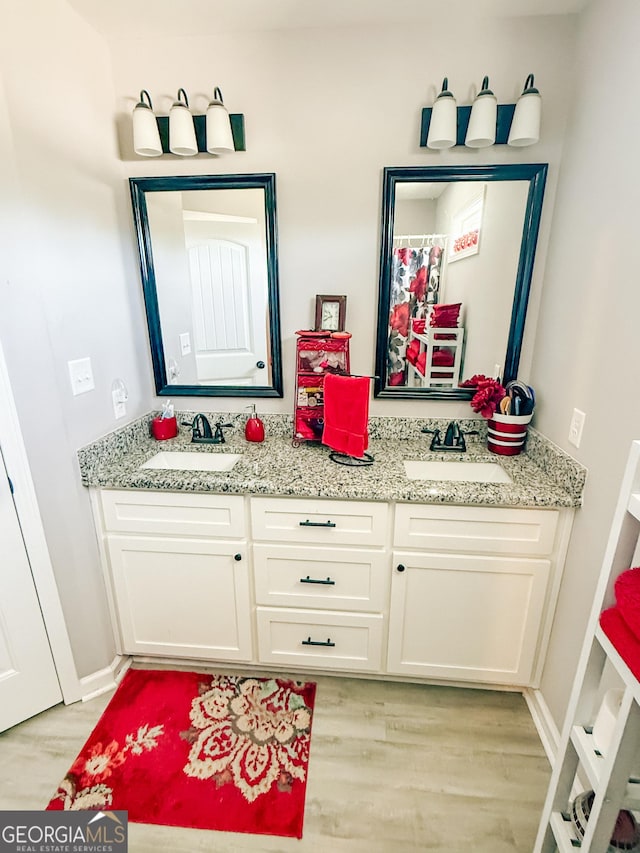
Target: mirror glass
x: 208, y: 260
x: 457, y: 252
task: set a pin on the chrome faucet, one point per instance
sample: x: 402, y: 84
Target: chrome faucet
x: 454, y: 438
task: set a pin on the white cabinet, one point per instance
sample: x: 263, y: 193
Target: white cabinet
x: 322, y: 591
x: 462, y: 593
x: 175, y: 594
x: 463, y: 617
x: 469, y: 607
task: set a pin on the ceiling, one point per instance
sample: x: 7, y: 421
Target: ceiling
x: 139, y: 18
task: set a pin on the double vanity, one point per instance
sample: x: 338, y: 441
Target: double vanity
x: 421, y: 566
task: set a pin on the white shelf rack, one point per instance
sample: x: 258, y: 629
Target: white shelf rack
x: 608, y: 775
x: 448, y: 376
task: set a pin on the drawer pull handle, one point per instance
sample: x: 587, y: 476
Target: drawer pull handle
x: 328, y: 581
x: 308, y: 523
x: 400, y: 567
x: 237, y: 557
x: 310, y: 642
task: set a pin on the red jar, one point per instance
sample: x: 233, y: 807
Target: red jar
x: 163, y: 428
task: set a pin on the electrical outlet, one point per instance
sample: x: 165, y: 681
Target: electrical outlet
x: 81, y: 376
x: 119, y: 405
x: 576, y: 427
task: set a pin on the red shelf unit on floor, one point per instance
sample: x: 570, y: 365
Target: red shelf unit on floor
x: 316, y: 356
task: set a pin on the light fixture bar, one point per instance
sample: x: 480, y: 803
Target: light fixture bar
x: 505, y: 117
x: 237, y: 130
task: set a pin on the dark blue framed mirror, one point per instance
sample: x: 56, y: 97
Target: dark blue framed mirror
x: 209, y: 267
x: 458, y: 246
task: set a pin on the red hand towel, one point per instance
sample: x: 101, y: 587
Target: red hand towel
x: 627, y: 589
x: 623, y: 639
x: 346, y: 414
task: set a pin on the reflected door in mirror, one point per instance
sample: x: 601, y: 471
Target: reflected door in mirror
x: 209, y: 269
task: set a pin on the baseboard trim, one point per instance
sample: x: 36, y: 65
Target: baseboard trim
x: 544, y: 722
x: 104, y: 679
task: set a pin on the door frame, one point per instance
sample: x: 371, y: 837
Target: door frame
x: 24, y: 496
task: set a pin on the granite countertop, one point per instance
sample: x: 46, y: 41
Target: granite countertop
x: 543, y: 476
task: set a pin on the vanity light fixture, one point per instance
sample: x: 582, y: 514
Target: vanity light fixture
x: 525, y: 127
x: 483, y: 124
x: 442, y: 129
x: 219, y: 135
x: 182, y: 134
x: 481, y: 131
x: 146, y: 137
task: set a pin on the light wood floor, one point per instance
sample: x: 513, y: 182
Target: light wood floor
x: 394, y: 768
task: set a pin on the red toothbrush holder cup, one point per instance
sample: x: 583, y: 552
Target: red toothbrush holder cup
x: 507, y: 434
x: 163, y: 428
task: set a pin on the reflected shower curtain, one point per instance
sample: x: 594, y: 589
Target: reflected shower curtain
x: 415, y: 284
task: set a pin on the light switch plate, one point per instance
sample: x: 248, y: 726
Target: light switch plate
x: 185, y: 343
x: 81, y: 376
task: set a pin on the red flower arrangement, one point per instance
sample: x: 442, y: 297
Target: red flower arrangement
x: 488, y: 395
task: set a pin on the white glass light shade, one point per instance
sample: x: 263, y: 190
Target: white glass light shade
x: 218, y: 125
x: 444, y: 120
x: 182, y: 134
x: 525, y: 127
x: 481, y: 131
x: 146, y: 137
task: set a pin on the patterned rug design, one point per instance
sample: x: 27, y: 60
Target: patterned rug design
x: 205, y: 751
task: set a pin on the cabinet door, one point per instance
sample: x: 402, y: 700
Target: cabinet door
x: 464, y: 617
x: 183, y: 597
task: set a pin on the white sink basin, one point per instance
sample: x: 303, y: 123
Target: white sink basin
x: 183, y: 460
x: 457, y: 471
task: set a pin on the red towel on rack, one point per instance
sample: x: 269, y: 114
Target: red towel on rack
x: 623, y: 639
x: 346, y: 414
x: 627, y: 590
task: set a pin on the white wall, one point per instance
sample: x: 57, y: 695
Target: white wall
x: 326, y: 110
x: 173, y: 282
x: 68, y: 282
x: 484, y: 282
x: 587, y: 350
x: 413, y: 216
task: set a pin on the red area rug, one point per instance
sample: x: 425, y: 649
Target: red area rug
x: 204, y: 751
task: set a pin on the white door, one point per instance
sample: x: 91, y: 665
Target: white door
x: 229, y: 315
x: 28, y: 680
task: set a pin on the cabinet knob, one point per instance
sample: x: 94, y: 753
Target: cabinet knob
x: 400, y: 567
x: 237, y: 557
x: 260, y: 365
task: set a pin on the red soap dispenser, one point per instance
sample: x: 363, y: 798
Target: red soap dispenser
x: 254, y: 428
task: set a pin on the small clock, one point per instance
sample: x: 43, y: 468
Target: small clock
x: 330, y: 313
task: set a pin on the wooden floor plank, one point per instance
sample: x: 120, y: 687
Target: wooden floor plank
x: 394, y: 768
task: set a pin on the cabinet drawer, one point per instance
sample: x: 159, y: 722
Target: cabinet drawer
x: 327, y: 522
x: 167, y: 513
x: 333, y: 578
x: 476, y: 529
x: 344, y: 640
